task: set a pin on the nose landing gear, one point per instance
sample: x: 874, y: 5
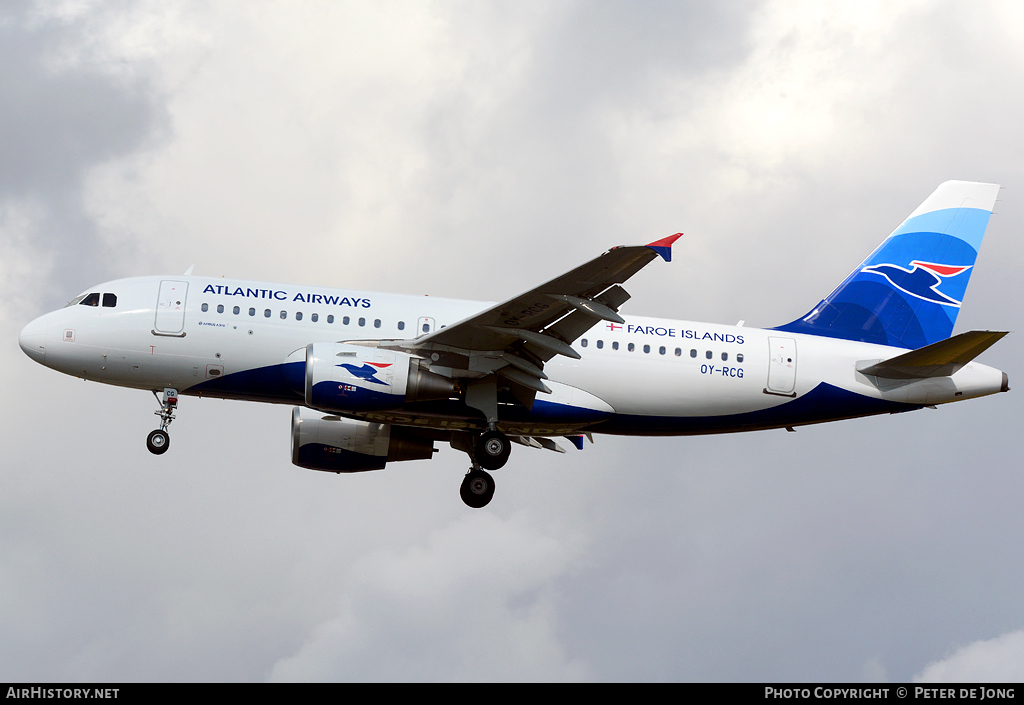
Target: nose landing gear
x: 159, y: 440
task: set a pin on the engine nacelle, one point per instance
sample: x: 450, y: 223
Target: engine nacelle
x: 321, y: 442
x: 341, y: 377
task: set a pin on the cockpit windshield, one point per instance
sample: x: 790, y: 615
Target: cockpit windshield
x: 93, y: 299
x: 75, y: 301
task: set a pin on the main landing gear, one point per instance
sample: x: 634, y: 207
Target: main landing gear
x: 159, y: 440
x: 490, y: 450
x: 477, y: 488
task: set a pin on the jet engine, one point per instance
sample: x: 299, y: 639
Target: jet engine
x: 342, y: 377
x: 334, y: 444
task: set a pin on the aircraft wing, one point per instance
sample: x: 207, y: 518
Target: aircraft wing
x: 516, y: 337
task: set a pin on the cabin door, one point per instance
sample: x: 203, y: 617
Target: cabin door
x: 781, y: 365
x: 170, y: 308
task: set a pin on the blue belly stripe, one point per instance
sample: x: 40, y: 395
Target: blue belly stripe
x: 823, y: 403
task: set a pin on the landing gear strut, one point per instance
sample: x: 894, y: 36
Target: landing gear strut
x: 159, y: 440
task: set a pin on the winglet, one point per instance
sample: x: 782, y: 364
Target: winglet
x: 664, y: 246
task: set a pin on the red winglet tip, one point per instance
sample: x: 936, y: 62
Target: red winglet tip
x: 666, y: 241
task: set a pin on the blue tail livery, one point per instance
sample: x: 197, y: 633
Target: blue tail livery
x: 908, y: 292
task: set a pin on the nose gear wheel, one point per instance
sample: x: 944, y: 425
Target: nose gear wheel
x: 159, y: 440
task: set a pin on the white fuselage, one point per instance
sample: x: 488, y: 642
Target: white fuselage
x: 228, y: 338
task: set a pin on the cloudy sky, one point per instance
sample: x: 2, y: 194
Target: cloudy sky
x: 474, y: 149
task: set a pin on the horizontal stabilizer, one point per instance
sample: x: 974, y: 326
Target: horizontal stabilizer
x: 940, y: 359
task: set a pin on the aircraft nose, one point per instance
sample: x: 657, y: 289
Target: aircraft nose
x: 32, y: 340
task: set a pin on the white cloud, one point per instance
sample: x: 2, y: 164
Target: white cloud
x: 311, y: 126
x: 478, y: 600
x: 873, y: 671
x: 999, y: 660
x: 21, y: 262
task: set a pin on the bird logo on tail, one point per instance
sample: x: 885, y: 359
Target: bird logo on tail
x: 922, y: 280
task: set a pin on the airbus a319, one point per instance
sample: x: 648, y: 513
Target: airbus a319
x: 377, y: 378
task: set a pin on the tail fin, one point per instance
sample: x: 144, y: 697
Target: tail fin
x: 907, y: 293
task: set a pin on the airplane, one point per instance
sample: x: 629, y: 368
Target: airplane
x: 378, y: 378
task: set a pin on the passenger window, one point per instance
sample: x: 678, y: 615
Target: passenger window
x: 600, y: 344
x: 401, y: 325
x: 345, y: 320
x: 235, y: 310
x: 266, y: 314
x: 647, y: 348
x: 220, y: 308
x: 205, y: 308
x: 615, y: 345
x: 109, y: 300
x: 314, y: 317
x: 298, y: 315
x: 91, y: 300
x: 426, y: 327
x: 252, y: 312
x: 661, y: 350
x: 708, y: 354
x: 631, y: 347
x: 376, y: 323
x: 583, y: 342
x: 725, y: 357
x: 679, y: 351
x: 330, y: 318
x: 739, y: 357
x: 284, y: 315
x: 362, y: 321
x: 693, y: 353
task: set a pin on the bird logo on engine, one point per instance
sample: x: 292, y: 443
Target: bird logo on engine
x: 368, y: 371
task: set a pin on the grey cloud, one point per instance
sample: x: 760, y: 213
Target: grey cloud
x: 56, y: 123
x: 611, y: 50
x: 542, y: 167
